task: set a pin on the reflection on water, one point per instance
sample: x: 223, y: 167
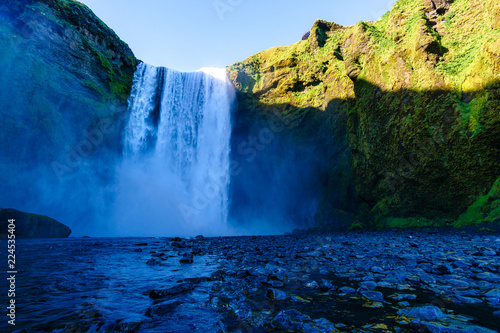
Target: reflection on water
x: 102, y: 284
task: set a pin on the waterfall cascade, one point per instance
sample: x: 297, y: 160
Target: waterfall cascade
x: 175, y: 173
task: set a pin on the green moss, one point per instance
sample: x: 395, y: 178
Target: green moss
x: 92, y: 85
x: 476, y: 106
x: 105, y: 63
x: 357, y: 226
x: 449, y: 19
x: 380, y: 212
x: 416, y: 222
x: 485, y: 209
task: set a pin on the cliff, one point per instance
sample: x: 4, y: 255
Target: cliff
x: 405, y: 111
x: 66, y: 77
x: 31, y: 225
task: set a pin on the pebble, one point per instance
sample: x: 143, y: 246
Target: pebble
x: 187, y: 258
x: 347, y: 290
x: 175, y: 290
x: 458, y: 283
x: 488, y: 276
x: 276, y: 295
x: 373, y: 295
x: 425, y: 312
x: 368, y: 284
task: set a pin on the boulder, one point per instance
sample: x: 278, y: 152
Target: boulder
x: 31, y: 225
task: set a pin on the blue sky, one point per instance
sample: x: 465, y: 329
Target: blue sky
x: 189, y: 34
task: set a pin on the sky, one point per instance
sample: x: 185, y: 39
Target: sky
x: 187, y: 35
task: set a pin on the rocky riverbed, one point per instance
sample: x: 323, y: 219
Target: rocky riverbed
x: 343, y: 282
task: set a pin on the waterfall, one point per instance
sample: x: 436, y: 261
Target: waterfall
x: 175, y: 173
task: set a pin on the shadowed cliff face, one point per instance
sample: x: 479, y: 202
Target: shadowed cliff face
x: 65, y: 82
x: 413, y: 98
x: 280, y: 165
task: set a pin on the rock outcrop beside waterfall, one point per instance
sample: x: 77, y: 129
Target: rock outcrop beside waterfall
x: 28, y: 225
x: 405, y: 111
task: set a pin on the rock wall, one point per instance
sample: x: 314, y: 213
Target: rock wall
x: 406, y: 110
x: 65, y: 81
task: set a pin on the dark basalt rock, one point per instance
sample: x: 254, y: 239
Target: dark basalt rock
x: 31, y: 225
x: 162, y: 308
x: 178, y: 289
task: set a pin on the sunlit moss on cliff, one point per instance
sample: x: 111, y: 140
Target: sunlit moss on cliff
x: 419, y: 91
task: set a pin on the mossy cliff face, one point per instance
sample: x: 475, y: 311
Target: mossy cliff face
x: 65, y: 81
x: 408, y: 107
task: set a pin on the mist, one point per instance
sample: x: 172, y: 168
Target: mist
x: 276, y: 185
x: 173, y: 164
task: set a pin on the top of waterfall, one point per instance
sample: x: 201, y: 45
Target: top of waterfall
x: 215, y: 72
x: 218, y: 73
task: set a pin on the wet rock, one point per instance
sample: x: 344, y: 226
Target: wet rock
x: 489, y: 253
x: 200, y: 237
x: 162, y: 309
x: 255, y: 271
x: 400, y: 297
x: 154, y: 262
x: 404, y: 286
x: 377, y: 269
x: 320, y: 325
x: 219, y: 274
x: 137, y: 250
x: 497, y: 313
x: 311, y: 285
x: 175, y: 290
x: 276, y: 283
x: 425, y: 313
x: 290, y: 319
x: 276, y: 295
x: 179, y: 244
x: 448, y: 325
x: 347, y: 290
x: 466, y: 300
x: 442, y: 269
x: 368, y: 285
x: 326, y: 285
x: 494, y: 293
x: 458, y: 283
x: 298, y: 299
x: 493, y: 301
x: 127, y: 326
x: 373, y: 305
x: 376, y: 296
x: 187, y: 258
x: 488, y: 276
